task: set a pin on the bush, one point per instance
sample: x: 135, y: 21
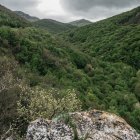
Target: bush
x: 35, y: 103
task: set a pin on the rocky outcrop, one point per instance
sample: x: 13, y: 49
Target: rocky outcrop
x: 10, y: 138
x: 93, y: 125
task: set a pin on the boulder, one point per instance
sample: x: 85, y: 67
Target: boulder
x: 10, y: 138
x: 92, y: 125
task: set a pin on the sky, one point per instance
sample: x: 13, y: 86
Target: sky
x: 70, y: 10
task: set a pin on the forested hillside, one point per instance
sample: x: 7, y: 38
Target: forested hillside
x: 98, y: 63
x: 114, y: 39
x: 80, y: 23
x: 53, y: 26
x: 8, y: 18
x: 26, y: 16
x: 115, y: 42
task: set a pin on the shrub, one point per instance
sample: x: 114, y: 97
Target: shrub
x: 38, y: 102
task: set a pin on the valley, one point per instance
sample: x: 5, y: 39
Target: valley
x: 96, y: 65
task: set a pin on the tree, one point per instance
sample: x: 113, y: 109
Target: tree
x: 9, y: 91
x: 35, y: 103
x: 137, y: 86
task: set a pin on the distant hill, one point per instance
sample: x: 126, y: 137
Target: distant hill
x: 80, y: 23
x: 53, y: 26
x: 26, y: 16
x: 130, y: 17
x: 9, y: 18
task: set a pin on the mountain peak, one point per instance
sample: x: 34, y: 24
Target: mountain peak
x: 26, y: 16
x: 80, y: 23
x: 9, y: 18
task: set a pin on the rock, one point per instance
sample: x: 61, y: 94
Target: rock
x: 46, y: 130
x: 93, y: 125
x: 10, y: 138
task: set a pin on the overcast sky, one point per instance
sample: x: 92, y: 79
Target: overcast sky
x: 69, y: 10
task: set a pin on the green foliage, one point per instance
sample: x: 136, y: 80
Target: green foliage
x: 115, y: 45
x: 8, y: 18
x: 9, y: 92
x: 26, y: 16
x: 34, y: 103
x: 37, y: 102
x: 68, y: 121
x: 110, y: 40
x: 80, y: 23
x: 53, y: 26
x: 137, y: 85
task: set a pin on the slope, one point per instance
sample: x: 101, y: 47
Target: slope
x: 26, y: 16
x: 9, y: 18
x: 53, y: 26
x: 116, y: 39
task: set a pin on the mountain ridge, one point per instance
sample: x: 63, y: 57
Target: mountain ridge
x: 9, y: 18
x: 126, y: 23
x: 27, y: 16
x: 53, y: 26
x: 80, y: 23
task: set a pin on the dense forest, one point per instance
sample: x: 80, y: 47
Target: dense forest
x: 53, y: 26
x: 92, y: 67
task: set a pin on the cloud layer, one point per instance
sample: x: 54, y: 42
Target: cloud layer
x: 98, y: 9
x: 68, y: 10
x: 85, y: 5
x: 20, y: 4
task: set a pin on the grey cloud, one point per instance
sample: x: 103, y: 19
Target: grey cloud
x: 98, y: 9
x: 74, y: 9
x: 85, y: 5
x: 19, y: 4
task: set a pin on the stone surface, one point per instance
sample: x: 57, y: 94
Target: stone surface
x: 10, y: 138
x: 93, y: 125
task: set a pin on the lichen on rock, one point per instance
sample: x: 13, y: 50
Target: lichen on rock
x: 92, y: 125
